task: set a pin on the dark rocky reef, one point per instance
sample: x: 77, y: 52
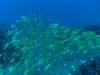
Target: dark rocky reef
x: 89, y: 67
x: 95, y: 28
x: 6, y: 54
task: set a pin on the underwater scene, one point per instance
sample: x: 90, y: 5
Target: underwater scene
x: 49, y: 37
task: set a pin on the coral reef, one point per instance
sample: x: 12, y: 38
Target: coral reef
x: 38, y: 46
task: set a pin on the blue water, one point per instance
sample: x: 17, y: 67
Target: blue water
x: 83, y: 12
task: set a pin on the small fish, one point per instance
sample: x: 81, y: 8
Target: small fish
x: 51, y: 46
x: 50, y: 54
x: 97, y: 39
x: 72, y: 52
x: 81, y: 47
x: 27, y: 60
x: 12, y: 60
x: 84, y: 34
x: 41, y: 61
x: 0, y: 55
x: 66, y: 51
x: 90, y: 42
x: 26, y: 66
x: 11, y: 69
x: 1, y: 65
x: 77, y: 38
x: 17, y: 21
x: 47, y: 66
x: 27, y: 70
x: 98, y: 46
x: 3, y: 72
x: 91, y: 33
x: 75, y: 32
x: 14, y: 41
x: 16, y: 34
x: 6, y: 45
x: 67, y: 30
x: 10, y: 32
x: 13, y: 26
x: 20, y: 69
x: 94, y: 47
x: 54, y: 25
x: 80, y: 42
x: 85, y: 51
x: 72, y: 44
x: 96, y: 36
